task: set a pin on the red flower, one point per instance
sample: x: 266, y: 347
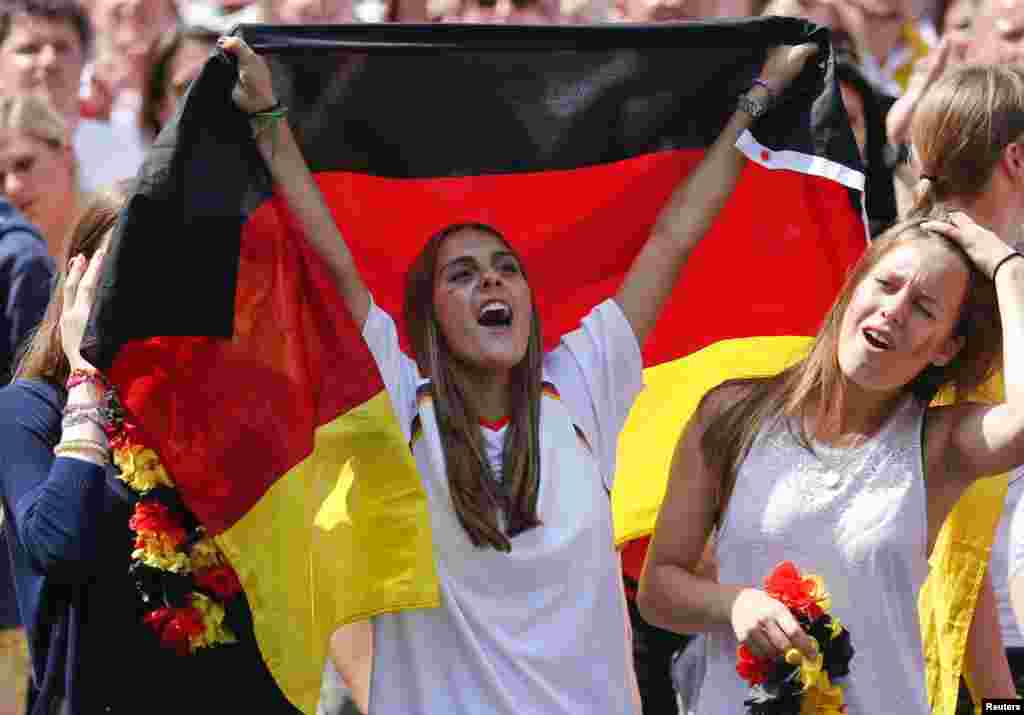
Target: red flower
x: 220, y: 580
x: 788, y: 585
x: 751, y: 668
x: 155, y: 518
x: 176, y: 626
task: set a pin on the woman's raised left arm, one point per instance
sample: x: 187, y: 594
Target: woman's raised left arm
x: 693, y: 207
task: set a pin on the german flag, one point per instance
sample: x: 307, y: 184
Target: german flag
x: 235, y: 354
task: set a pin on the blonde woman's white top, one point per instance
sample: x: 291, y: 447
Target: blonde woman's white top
x: 857, y: 517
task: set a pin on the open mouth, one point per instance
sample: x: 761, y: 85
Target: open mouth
x: 495, y: 314
x: 876, y: 339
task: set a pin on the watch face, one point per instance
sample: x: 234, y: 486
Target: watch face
x: 755, y: 108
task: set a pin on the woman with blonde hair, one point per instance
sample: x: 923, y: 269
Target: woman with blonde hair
x: 38, y: 169
x: 839, y: 463
x: 965, y: 134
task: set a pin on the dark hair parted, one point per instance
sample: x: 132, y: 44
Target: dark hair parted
x: 477, y: 496
x: 160, y: 59
x: 44, y: 357
x: 53, y: 10
x: 816, y: 382
x: 960, y: 129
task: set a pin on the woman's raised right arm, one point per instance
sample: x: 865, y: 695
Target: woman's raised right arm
x: 254, y: 92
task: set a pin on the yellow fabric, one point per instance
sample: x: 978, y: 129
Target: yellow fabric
x: 919, y: 49
x: 671, y: 393
x: 950, y: 593
x: 342, y: 536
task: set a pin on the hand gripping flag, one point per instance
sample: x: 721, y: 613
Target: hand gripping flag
x: 236, y: 356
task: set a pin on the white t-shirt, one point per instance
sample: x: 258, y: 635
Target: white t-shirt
x: 106, y: 153
x: 1008, y: 559
x: 541, y: 629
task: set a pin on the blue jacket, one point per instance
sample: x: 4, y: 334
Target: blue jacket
x: 26, y: 273
x: 26, y: 277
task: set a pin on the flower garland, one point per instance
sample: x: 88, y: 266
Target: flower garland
x: 178, y: 569
x: 795, y: 685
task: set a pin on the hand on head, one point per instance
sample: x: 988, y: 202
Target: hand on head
x: 785, y: 63
x: 983, y: 247
x: 79, y: 293
x: 767, y: 626
x: 254, y: 90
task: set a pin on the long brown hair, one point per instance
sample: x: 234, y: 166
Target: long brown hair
x: 44, y: 357
x: 960, y: 129
x: 816, y: 382
x: 476, y: 495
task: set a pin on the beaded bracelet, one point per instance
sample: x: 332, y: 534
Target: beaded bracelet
x: 80, y: 377
x: 758, y: 82
x: 83, y: 444
x: 95, y: 415
x: 263, y: 120
x: 84, y: 453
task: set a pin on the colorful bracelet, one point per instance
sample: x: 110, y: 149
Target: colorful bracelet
x: 261, y: 121
x: 758, y: 82
x: 80, y: 377
x: 84, y: 453
x: 74, y: 418
x: 76, y: 445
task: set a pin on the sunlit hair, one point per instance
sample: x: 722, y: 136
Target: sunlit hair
x: 35, y: 117
x: 814, y: 387
x: 960, y: 129
x: 476, y: 495
x: 44, y: 357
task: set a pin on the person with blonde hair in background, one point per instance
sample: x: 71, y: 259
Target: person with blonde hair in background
x: 38, y: 169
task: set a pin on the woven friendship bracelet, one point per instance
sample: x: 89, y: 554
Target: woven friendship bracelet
x: 94, y: 415
x: 84, y: 444
x: 84, y: 453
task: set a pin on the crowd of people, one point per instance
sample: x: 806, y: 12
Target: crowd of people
x: 934, y: 92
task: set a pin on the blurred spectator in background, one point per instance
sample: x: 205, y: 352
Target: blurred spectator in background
x: 126, y: 31
x: 953, y: 23
x: 522, y: 12
x: 866, y: 110
x: 821, y: 12
x: 38, y: 171
x: 174, y: 62
x: 997, y: 34
x: 43, y: 46
x: 889, y: 40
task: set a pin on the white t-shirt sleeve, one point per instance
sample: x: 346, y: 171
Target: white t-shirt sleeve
x: 1015, y: 549
x: 397, y: 369
x: 598, y: 370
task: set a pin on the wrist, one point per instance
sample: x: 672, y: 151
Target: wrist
x: 1007, y: 265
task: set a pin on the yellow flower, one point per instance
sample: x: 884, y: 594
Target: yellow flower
x: 821, y: 594
x: 141, y: 468
x: 205, y: 554
x: 836, y: 627
x: 152, y: 555
x: 213, y: 619
x: 824, y: 698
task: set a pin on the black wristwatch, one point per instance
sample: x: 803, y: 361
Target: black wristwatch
x: 756, y: 108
